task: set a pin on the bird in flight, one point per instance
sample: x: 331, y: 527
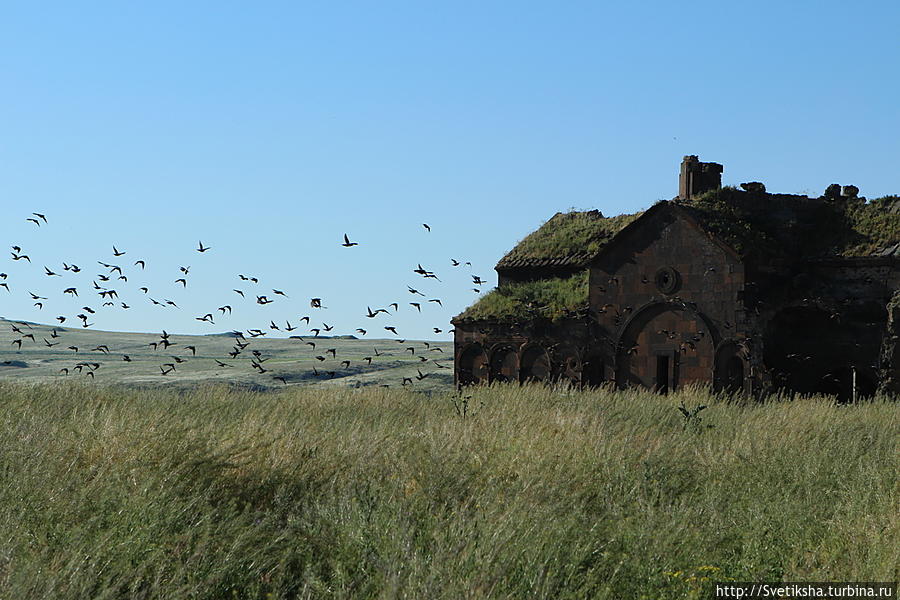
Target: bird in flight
x: 202, y: 248
x: 40, y: 216
x: 427, y: 228
x: 347, y: 243
x: 116, y: 252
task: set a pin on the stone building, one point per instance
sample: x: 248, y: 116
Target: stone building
x: 742, y: 289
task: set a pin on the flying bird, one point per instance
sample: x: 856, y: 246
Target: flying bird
x: 201, y: 248
x: 347, y: 243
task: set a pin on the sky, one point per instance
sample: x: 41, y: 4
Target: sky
x: 269, y: 130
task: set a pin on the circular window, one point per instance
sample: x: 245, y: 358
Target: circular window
x: 667, y: 280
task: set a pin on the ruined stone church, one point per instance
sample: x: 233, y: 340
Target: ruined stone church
x: 748, y: 291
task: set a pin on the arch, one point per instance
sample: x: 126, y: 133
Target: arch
x: 504, y: 365
x: 534, y: 364
x: 808, y: 351
x: 472, y: 365
x: 731, y: 370
x: 664, y: 345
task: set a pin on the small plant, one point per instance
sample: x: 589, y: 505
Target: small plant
x: 692, y: 421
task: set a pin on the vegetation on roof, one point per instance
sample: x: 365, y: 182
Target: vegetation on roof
x: 875, y: 223
x: 769, y: 225
x: 575, y: 233
x: 552, y: 298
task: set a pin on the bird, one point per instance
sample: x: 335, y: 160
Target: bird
x: 192, y: 349
x: 182, y: 281
x: 280, y: 293
x: 141, y: 263
x: 201, y: 247
x: 391, y: 329
x: 437, y: 300
x: 35, y: 221
x: 414, y: 291
x: 239, y: 292
x: 40, y: 216
x: 417, y: 305
x: 374, y: 314
x: 315, y: 302
x: 454, y: 262
x: 48, y: 272
x: 347, y: 243
x: 427, y: 228
x: 116, y: 252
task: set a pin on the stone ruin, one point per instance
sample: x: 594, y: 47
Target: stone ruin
x: 748, y: 291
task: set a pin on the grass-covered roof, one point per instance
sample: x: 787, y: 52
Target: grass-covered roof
x: 553, y: 298
x: 760, y: 225
x: 567, y: 239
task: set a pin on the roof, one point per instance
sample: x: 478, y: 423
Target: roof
x: 756, y: 225
x: 554, y: 298
x: 761, y: 226
x: 568, y: 239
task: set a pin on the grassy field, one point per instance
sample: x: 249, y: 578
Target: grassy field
x: 507, y: 492
x: 292, y: 359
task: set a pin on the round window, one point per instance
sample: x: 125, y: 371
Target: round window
x: 667, y: 280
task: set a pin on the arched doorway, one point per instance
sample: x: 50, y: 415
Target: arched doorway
x: 664, y: 347
x: 504, y: 364
x: 472, y: 365
x: 534, y: 364
x: 810, y: 349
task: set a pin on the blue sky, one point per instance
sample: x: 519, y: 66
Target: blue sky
x: 269, y: 130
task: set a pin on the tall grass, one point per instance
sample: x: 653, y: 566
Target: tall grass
x: 535, y: 492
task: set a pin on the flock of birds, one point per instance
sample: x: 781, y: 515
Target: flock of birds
x: 328, y: 363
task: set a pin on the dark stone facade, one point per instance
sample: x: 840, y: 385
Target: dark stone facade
x: 671, y: 304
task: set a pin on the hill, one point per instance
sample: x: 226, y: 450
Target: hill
x: 41, y: 357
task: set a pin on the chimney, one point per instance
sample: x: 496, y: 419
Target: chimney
x: 698, y: 177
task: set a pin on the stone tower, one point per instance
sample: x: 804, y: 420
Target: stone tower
x: 698, y: 177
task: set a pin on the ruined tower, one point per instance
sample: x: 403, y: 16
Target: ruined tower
x: 698, y: 177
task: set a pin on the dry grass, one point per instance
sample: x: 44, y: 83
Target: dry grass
x: 534, y: 492
x: 552, y: 298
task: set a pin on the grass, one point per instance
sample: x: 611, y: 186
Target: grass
x: 552, y: 298
x: 840, y: 227
x: 534, y: 493
x: 291, y: 359
x: 578, y: 234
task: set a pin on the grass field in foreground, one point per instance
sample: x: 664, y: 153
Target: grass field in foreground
x: 513, y: 492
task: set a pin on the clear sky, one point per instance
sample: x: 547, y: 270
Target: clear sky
x: 268, y: 130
